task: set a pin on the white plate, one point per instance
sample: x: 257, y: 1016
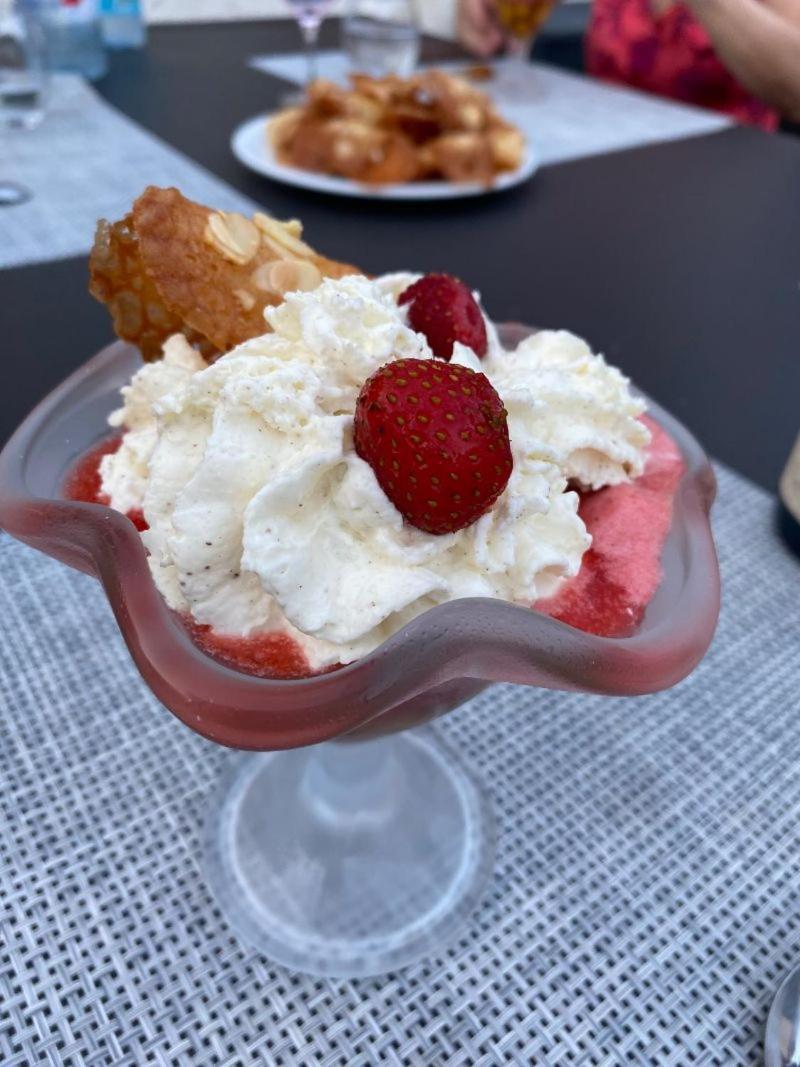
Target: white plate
x: 250, y: 146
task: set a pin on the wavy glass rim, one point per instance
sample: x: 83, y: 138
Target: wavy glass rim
x: 480, y: 639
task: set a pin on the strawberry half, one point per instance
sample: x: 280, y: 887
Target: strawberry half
x: 445, y: 311
x: 437, y: 439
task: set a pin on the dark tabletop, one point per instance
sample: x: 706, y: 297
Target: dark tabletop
x: 680, y: 261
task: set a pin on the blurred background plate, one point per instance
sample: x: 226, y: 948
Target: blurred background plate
x: 250, y: 146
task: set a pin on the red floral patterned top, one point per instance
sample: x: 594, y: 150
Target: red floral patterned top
x: 669, y: 54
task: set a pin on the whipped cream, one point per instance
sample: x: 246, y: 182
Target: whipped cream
x: 124, y: 475
x: 574, y: 403
x: 263, y: 517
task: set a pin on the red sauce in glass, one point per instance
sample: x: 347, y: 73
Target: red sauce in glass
x: 629, y: 524
x: 267, y: 655
x: 83, y: 482
x: 617, y: 579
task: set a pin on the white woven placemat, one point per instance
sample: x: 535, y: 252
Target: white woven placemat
x: 643, y: 907
x: 87, y: 161
x: 564, y: 116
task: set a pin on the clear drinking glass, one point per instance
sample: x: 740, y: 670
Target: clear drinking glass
x: 381, y: 37
x: 365, y: 852
x: 23, y: 67
x: 309, y: 15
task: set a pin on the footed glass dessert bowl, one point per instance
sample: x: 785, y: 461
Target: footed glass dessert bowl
x: 365, y: 853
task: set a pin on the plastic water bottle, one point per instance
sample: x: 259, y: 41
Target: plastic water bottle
x: 123, y: 25
x: 74, y: 41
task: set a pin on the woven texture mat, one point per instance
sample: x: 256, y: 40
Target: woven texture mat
x: 563, y: 115
x: 643, y: 907
x: 87, y: 161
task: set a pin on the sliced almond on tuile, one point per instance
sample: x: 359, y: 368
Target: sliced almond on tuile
x: 261, y: 277
x: 233, y: 236
x: 287, y: 277
x: 285, y: 234
x: 247, y: 300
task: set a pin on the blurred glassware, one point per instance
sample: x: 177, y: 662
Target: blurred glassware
x: 522, y: 19
x: 348, y: 859
x: 23, y: 67
x: 790, y: 481
x: 12, y: 193
x: 789, y: 494
x: 122, y: 23
x: 380, y: 37
x: 74, y: 36
x: 309, y: 15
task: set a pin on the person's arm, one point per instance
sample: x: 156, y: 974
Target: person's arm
x: 788, y: 9
x: 759, y: 45
x: 477, y: 29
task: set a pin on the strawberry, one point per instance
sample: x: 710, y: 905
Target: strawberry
x: 437, y: 439
x: 445, y: 311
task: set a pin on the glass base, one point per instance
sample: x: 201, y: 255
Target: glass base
x: 351, y: 858
x: 12, y: 193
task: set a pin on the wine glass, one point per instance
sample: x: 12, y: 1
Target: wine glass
x: 12, y: 193
x: 367, y: 852
x: 522, y: 20
x: 23, y: 81
x: 309, y: 15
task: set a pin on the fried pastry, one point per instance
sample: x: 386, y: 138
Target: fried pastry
x: 328, y: 100
x: 462, y: 157
x: 506, y: 144
x: 392, y: 129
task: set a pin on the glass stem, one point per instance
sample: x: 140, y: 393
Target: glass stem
x: 352, y: 783
x: 519, y: 52
x: 519, y: 48
x: 309, y: 27
x: 12, y: 193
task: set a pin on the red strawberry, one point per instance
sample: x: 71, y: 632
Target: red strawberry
x: 437, y: 439
x: 444, y: 310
